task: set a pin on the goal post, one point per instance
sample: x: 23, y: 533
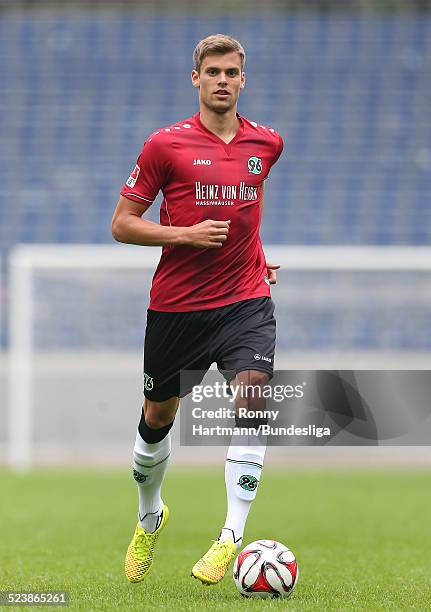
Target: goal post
x: 79, y: 310
x: 24, y: 260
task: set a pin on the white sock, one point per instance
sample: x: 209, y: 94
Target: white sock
x: 149, y: 466
x: 242, y: 475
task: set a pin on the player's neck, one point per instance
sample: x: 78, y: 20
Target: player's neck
x: 224, y: 125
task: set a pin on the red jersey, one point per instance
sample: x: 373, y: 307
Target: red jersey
x: 202, y: 177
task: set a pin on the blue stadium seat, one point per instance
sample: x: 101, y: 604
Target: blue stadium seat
x: 349, y: 94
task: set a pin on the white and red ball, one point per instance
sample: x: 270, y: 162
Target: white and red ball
x: 265, y: 568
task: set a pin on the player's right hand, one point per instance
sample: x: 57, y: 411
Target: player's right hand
x: 208, y: 234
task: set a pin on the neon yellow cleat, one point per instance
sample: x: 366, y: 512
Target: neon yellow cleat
x: 139, y: 557
x: 213, y: 565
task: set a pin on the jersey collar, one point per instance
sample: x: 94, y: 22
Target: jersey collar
x: 226, y: 146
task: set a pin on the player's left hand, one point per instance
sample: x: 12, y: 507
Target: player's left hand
x: 271, y: 272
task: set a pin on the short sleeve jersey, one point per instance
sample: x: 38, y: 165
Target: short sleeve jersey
x: 201, y: 177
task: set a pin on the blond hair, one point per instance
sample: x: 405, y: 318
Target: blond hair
x: 217, y: 43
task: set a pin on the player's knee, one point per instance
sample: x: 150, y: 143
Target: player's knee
x: 156, y: 421
x: 160, y: 414
x: 252, y: 380
x: 155, y: 424
x: 251, y: 391
x: 257, y: 379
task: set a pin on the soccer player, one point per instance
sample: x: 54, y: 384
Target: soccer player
x: 210, y: 298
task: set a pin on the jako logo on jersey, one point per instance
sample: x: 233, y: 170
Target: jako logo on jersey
x: 202, y: 162
x: 148, y: 382
x: 254, y: 165
x: 131, y: 181
x: 262, y: 358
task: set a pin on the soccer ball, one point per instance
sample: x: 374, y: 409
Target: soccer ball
x: 265, y: 568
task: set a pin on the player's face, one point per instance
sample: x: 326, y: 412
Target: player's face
x: 219, y: 81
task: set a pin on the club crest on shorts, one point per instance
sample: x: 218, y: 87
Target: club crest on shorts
x: 247, y: 482
x: 254, y: 165
x: 131, y: 181
x: 148, y: 382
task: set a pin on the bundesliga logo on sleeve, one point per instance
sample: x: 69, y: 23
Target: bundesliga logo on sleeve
x: 131, y: 181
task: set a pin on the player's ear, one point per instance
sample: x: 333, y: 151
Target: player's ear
x: 195, y: 78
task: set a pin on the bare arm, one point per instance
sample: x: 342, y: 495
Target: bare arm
x: 128, y: 226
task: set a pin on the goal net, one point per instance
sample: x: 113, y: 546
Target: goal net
x: 77, y: 321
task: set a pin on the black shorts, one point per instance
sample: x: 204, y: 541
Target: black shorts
x: 237, y: 337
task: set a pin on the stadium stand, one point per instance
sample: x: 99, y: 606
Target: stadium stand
x: 350, y: 95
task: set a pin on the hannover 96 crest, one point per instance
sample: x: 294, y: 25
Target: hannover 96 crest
x: 148, y: 382
x: 247, y: 482
x: 254, y: 165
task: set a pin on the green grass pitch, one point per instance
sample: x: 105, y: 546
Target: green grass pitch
x: 362, y: 539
